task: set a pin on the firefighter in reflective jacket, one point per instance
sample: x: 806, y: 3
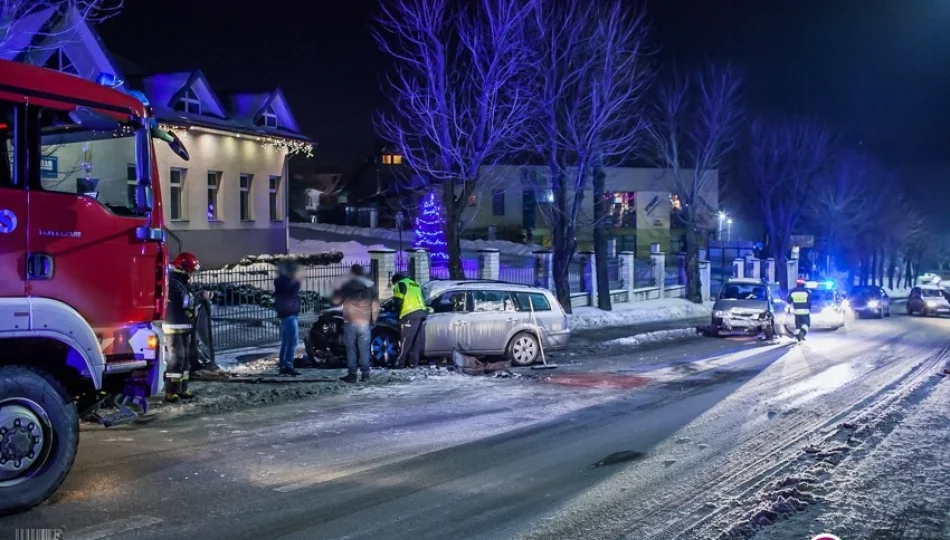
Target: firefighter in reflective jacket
x: 412, y: 311
x: 800, y: 299
x: 179, y: 327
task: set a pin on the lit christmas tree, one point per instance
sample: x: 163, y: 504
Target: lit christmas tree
x: 430, y: 228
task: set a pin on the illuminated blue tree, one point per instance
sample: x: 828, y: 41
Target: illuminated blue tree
x: 430, y: 228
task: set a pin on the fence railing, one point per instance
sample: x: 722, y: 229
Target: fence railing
x: 243, y: 311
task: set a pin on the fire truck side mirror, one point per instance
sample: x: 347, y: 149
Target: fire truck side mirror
x: 178, y: 147
x: 144, y: 198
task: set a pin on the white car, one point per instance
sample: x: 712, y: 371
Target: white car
x: 928, y: 300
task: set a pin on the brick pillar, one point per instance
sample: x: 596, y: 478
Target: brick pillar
x: 419, y: 265
x: 544, y: 269
x: 628, y: 272
x: 738, y: 268
x: 488, y: 264
x: 756, y: 268
x: 768, y: 271
x: 384, y: 265
x: 589, y: 276
x: 705, y: 275
x: 658, y: 258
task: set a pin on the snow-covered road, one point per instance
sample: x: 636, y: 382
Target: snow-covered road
x: 700, y: 438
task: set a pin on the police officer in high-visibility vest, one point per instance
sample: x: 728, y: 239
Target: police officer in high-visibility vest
x: 412, y: 310
x: 800, y: 299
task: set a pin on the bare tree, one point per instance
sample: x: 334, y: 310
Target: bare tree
x: 695, y: 127
x: 459, y: 101
x: 786, y: 159
x: 590, y: 74
x: 28, y: 24
x: 843, y: 204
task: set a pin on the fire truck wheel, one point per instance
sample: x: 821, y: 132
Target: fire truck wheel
x: 39, y: 433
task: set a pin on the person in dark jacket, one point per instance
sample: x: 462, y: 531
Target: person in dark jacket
x: 179, y: 326
x: 287, y: 303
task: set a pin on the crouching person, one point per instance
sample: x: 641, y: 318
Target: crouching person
x: 412, y: 311
x: 179, y: 327
x: 360, y: 308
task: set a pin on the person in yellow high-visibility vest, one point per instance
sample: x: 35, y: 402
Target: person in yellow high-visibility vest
x: 800, y: 299
x: 412, y: 310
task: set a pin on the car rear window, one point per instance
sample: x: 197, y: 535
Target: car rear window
x: 528, y: 300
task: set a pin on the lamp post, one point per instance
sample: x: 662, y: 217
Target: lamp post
x: 399, y: 216
x: 722, y: 217
x: 729, y: 230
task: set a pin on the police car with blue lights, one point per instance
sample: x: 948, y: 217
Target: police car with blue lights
x: 829, y: 309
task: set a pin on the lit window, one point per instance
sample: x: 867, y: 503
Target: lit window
x: 272, y: 198
x: 270, y: 117
x: 214, y: 184
x: 675, y: 202
x: 131, y: 182
x: 60, y: 61
x: 472, y: 199
x: 176, y: 188
x: 387, y: 159
x: 189, y: 102
x: 246, y: 180
x: 397, y: 159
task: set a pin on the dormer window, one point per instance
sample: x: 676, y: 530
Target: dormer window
x: 269, y: 117
x: 60, y: 61
x: 189, y: 102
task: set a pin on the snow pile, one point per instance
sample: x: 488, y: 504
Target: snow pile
x: 630, y: 313
x: 653, y: 337
x: 352, y: 251
x: 505, y: 247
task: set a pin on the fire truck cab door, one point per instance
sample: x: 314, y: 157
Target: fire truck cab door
x: 13, y: 219
x: 82, y: 246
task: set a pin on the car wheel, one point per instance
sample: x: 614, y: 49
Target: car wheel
x: 384, y: 348
x: 523, y: 350
x: 40, y: 427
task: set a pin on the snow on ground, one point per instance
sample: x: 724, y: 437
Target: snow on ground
x: 653, y: 337
x: 630, y: 313
x: 505, y: 247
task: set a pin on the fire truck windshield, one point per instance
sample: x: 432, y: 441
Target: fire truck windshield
x: 96, y: 156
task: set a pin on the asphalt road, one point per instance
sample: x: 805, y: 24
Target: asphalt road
x: 616, y: 443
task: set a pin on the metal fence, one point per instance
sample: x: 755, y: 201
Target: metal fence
x: 644, y: 274
x: 243, y: 310
x: 515, y: 273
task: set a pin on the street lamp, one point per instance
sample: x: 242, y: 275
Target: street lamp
x: 722, y: 217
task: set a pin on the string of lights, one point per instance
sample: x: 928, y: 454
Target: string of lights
x: 430, y: 228
x: 291, y: 146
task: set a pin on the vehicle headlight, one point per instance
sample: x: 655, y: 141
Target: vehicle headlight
x: 719, y: 314
x: 828, y: 310
x: 874, y: 304
x: 931, y: 303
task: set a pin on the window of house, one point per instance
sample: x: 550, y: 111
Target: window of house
x: 387, y: 159
x: 274, y: 183
x: 214, y: 188
x: 131, y: 182
x: 246, y: 180
x: 472, y: 199
x: 491, y: 301
x: 270, y: 117
x: 397, y: 159
x: 60, y: 61
x: 176, y: 190
x: 189, y: 102
x: 498, y: 202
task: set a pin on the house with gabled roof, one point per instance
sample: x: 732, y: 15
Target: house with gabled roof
x: 230, y: 199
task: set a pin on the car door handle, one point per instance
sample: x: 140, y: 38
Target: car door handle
x: 512, y: 319
x: 39, y: 266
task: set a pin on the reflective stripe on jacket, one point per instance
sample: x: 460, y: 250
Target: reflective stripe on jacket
x: 801, y: 301
x: 412, y: 300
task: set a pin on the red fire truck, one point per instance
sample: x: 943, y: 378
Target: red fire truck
x: 83, y: 268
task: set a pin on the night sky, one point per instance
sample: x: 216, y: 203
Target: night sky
x: 877, y: 70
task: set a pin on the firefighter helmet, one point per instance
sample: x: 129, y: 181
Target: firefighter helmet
x: 186, y: 262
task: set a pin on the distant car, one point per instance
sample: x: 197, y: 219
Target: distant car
x: 478, y: 318
x: 870, y: 301
x: 828, y: 310
x: 928, y: 300
x: 744, y: 306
